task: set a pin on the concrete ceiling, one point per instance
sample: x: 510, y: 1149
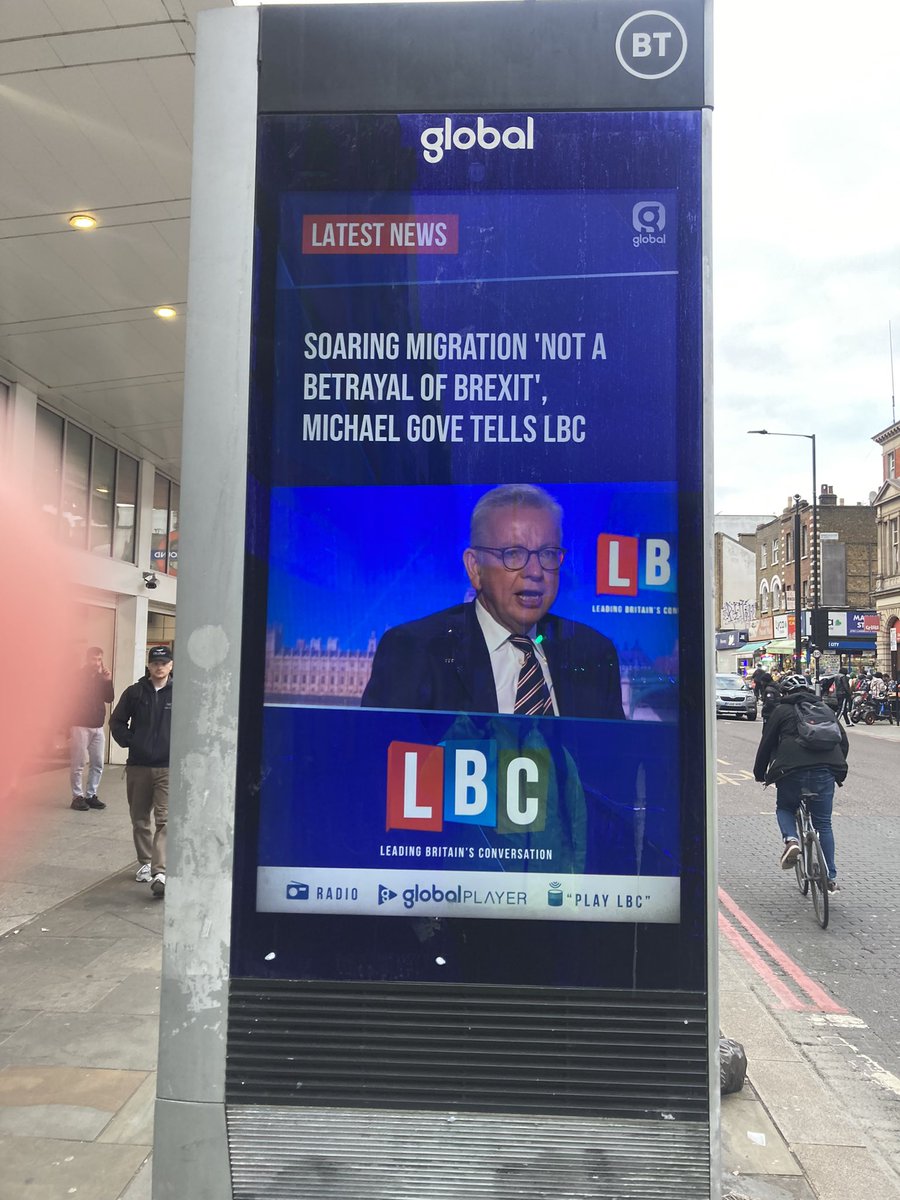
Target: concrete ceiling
x: 95, y: 116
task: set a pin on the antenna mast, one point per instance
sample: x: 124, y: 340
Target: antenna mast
x: 891, y: 343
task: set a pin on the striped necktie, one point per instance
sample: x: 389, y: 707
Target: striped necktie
x: 532, y: 693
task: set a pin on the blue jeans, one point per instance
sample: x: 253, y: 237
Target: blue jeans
x: 816, y: 782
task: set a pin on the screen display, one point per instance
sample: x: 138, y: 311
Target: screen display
x: 473, y: 598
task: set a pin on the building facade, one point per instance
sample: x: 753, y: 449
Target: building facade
x: 115, y: 516
x: 847, y: 557
x: 887, y: 577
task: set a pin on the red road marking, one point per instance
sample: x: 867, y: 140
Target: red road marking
x: 762, y: 968
x: 820, y: 998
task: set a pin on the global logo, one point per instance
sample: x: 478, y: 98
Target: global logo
x: 648, y: 218
x: 297, y: 891
x: 439, y: 138
x: 385, y: 894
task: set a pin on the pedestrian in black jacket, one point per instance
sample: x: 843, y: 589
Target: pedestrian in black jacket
x: 142, y: 722
x: 93, y: 691
x: 795, y: 770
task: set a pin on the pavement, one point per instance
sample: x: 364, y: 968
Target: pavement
x: 80, y: 955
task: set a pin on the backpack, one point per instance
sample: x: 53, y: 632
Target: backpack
x: 817, y: 725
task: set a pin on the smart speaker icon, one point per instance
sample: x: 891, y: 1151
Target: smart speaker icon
x: 555, y: 895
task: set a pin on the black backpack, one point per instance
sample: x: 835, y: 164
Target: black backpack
x: 817, y: 725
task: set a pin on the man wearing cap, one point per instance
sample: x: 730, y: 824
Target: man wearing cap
x: 141, y: 722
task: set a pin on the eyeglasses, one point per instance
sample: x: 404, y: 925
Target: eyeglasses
x: 516, y: 558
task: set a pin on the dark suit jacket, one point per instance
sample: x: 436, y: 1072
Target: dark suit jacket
x: 442, y: 662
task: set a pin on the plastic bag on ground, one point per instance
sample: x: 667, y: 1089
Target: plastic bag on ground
x: 732, y: 1066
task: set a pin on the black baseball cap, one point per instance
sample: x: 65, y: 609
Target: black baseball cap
x: 160, y: 654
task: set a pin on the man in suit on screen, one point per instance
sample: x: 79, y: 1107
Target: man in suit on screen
x: 505, y: 651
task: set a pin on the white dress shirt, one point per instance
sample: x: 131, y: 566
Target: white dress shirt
x: 506, y: 660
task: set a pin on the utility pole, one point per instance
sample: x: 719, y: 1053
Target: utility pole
x: 798, y: 650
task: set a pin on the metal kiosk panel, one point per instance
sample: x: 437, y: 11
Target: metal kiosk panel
x: 469, y: 945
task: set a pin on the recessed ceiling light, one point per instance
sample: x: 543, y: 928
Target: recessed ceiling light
x: 166, y: 312
x: 83, y: 221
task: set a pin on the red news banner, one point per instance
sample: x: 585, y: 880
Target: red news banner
x: 381, y: 233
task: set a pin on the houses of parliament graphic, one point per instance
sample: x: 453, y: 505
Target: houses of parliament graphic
x: 320, y: 673
x: 310, y: 673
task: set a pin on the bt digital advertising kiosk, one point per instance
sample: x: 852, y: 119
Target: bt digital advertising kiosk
x: 434, y: 930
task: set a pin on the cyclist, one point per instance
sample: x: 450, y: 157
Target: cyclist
x: 782, y: 759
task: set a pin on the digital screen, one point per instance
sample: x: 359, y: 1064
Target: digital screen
x: 474, y: 538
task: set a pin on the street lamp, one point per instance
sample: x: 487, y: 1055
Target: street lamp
x: 815, y: 531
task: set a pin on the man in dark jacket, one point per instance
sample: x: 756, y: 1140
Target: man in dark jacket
x: 93, y: 691
x: 142, y: 722
x: 795, y: 770
x: 839, y: 693
x: 760, y: 678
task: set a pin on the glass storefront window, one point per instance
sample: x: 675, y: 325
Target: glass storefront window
x: 76, y: 473
x: 159, y: 540
x: 48, y: 465
x: 103, y: 482
x: 126, y: 507
x: 174, y: 504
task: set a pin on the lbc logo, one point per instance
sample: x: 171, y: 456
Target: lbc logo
x: 470, y: 782
x: 626, y: 563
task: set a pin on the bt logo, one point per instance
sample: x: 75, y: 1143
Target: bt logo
x: 619, y: 564
x: 470, y: 782
x: 651, y: 44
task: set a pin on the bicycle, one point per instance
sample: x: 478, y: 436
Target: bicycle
x: 810, y: 867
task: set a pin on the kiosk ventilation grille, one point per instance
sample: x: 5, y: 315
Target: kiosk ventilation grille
x: 560, y: 1052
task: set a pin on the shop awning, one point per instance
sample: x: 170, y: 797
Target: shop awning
x: 749, y: 648
x: 781, y: 646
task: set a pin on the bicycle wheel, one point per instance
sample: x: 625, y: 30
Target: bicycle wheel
x: 800, y: 864
x: 819, y: 881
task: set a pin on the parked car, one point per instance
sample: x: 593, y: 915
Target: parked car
x: 734, y: 698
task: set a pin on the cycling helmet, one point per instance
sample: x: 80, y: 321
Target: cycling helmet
x: 793, y: 683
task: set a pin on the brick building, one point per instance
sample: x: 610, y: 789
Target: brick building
x: 847, y: 559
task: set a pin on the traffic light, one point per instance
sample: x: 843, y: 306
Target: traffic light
x: 820, y: 628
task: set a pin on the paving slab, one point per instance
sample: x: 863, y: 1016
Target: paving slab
x: 803, y: 1108
x: 137, y: 993
x: 125, y: 957
x: 751, y: 1144
x: 55, y: 989
x: 50, y: 1169
x: 128, y: 1043
x: 845, y: 1173
x: 98, y: 1088
x: 12, y: 1019
x: 743, y: 1016
x: 139, y: 1188
x: 737, y: 1187
x: 133, y: 1124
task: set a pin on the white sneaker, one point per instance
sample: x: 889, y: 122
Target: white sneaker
x: 143, y: 875
x: 158, y: 886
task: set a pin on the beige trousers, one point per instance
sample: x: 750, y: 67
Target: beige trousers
x: 147, y: 789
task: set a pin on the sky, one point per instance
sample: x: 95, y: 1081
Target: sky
x: 806, y: 245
